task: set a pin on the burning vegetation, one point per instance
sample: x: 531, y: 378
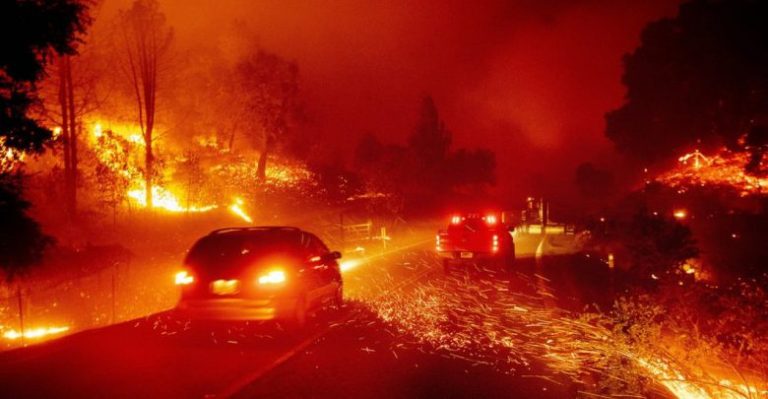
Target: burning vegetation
x: 725, y: 169
x: 150, y: 152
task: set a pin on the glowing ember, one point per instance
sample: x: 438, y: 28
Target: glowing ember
x: 680, y: 214
x: 34, y: 333
x: 484, y: 322
x: 237, y: 209
x: 725, y: 169
x: 683, y: 388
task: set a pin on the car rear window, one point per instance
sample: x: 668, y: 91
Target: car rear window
x: 233, y: 249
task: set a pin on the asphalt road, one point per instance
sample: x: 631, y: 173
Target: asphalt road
x: 409, y: 330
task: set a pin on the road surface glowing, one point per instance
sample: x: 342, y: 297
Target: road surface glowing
x: 35, y: 333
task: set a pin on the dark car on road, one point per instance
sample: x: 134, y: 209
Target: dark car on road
x: 259, y: 273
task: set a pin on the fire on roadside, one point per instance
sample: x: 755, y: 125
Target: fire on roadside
x: 34, y: 333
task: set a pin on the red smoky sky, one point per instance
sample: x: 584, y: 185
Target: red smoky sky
x: 529, y: 79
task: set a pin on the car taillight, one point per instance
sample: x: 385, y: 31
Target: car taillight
x: 495, y: 246
x: 184, y: 278
x: 272, y: 277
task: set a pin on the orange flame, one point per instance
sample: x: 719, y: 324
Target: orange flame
x: 725, y: 169
x: 35, y: 333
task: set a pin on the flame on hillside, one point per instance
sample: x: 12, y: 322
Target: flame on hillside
x: 113, y: 151
x: 723, y: 169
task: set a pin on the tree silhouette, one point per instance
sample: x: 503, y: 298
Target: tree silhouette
x: 426, y: 172
x: 430, y: 140
x: 270, y: 87
x: 33, y: 32
x: 146, y: 40
x: 700, y: 75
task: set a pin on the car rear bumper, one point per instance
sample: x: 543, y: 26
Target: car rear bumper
x: 240, y: 309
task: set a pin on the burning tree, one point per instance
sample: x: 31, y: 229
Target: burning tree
x: 146, y: 40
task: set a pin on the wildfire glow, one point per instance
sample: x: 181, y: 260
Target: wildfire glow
x: 34, y: 333
x: 725, y: 169
x: 107, y: 145
x: 684, y: 388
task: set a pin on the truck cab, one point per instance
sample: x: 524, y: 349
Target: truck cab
x: 476, y: 237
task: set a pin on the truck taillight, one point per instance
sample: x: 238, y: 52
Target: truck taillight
x: 495, y: 245
x: 490, y: 219
x: 438, y: 247
x: 455, y: 219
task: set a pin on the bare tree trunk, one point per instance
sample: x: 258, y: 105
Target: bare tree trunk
x: 149, y: 165
x: 69, y: 137
x: 261, y: 168
x: 146, y: 41
x: 73, y: 130
x: 64, y: 120
x: 148, y: 67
